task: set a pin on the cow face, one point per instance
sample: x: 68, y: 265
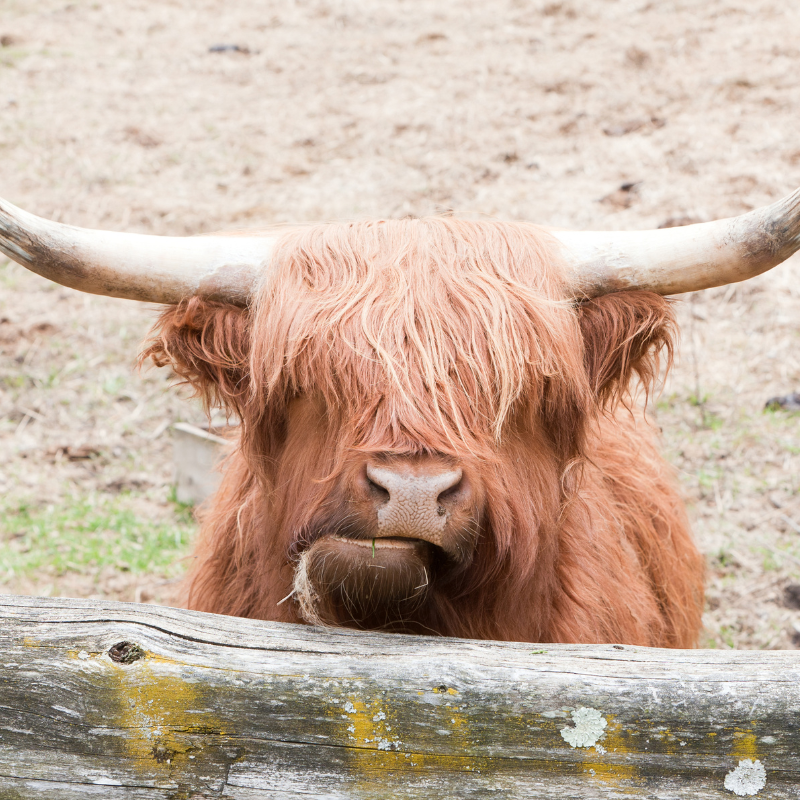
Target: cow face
x: 414, y: 398
x: 379, y: 528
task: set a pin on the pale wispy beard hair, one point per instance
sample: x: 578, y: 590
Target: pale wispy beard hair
x: 305, y: 595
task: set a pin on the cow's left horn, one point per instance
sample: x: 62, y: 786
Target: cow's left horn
x: 158, y: 269
x: 675, y: 260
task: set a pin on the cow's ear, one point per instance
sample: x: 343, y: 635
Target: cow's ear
x: 626, y: 333
x: 208, y: 345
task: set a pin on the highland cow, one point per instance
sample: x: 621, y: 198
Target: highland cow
x: 440, y: 430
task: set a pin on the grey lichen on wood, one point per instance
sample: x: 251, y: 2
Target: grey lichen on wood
x: 219, y: 707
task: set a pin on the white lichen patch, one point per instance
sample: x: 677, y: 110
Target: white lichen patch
x: 379, y: 716
x: 385, y: 744
x: 589, y: 727
x: 349, y: 708
x: 748, y: 778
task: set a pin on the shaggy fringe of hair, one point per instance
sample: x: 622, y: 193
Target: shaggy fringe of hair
x: 451, y: 337
x: 447, y: 322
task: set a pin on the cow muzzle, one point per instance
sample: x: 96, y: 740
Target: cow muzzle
x: 416, y: 503
x: 411, y: 523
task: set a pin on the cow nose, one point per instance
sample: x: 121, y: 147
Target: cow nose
x: 414, y: 504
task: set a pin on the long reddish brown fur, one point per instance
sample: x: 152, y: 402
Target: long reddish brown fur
x: 453, y: 337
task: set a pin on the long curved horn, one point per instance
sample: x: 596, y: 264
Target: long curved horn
x: 157, y: 269
x: 676, y: 260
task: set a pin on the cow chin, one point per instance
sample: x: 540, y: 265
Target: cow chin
x: 365, y: 583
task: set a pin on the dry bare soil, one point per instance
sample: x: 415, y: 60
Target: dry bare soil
x: 122, y: 115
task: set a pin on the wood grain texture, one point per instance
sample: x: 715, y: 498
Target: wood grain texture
x: 219, y: 707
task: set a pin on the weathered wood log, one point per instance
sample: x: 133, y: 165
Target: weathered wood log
x: 123, y: 701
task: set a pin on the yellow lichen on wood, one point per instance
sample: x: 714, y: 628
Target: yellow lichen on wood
x: 371, y: 751
x: 745, y: 745
x: 157, y: 709
x: 600, y: 767
x: 374, y: 731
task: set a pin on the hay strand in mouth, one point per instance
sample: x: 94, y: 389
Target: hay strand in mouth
x: 281, y: 602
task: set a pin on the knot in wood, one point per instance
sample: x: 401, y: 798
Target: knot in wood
x: 125, y: 653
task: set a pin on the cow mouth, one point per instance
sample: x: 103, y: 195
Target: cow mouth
x: 369, y: 583
x: 384, y: 543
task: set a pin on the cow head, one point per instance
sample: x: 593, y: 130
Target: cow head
x: 416, y: 396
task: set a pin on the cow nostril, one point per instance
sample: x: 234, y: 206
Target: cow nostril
x: 378, y: 493
x: 451, y: 492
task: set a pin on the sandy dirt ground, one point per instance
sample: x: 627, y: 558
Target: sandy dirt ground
x: 129, y: 115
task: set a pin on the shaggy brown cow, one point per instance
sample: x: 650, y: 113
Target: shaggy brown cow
x: 438, y: 426
x: 430, y: 442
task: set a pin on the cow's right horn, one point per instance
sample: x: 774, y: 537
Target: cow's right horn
x: 675, y: 260
x: 158, y: 269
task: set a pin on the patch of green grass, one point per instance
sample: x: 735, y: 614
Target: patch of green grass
x: 89, y: 532
x: 726, y: 633
x: 768, y: 561
x: 114, y: 385
x: 698, y: 400
x: 184, y: 511
x: 14, y: 381
x: 724, y: 560
x: 708, y: 479
x: 9, y: 274
x: 9, y: 56
x: 667, y: 403
x: 712, y: 421
x: 779, y: 415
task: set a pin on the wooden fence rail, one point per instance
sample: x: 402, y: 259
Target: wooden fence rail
x: 123, y: 701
